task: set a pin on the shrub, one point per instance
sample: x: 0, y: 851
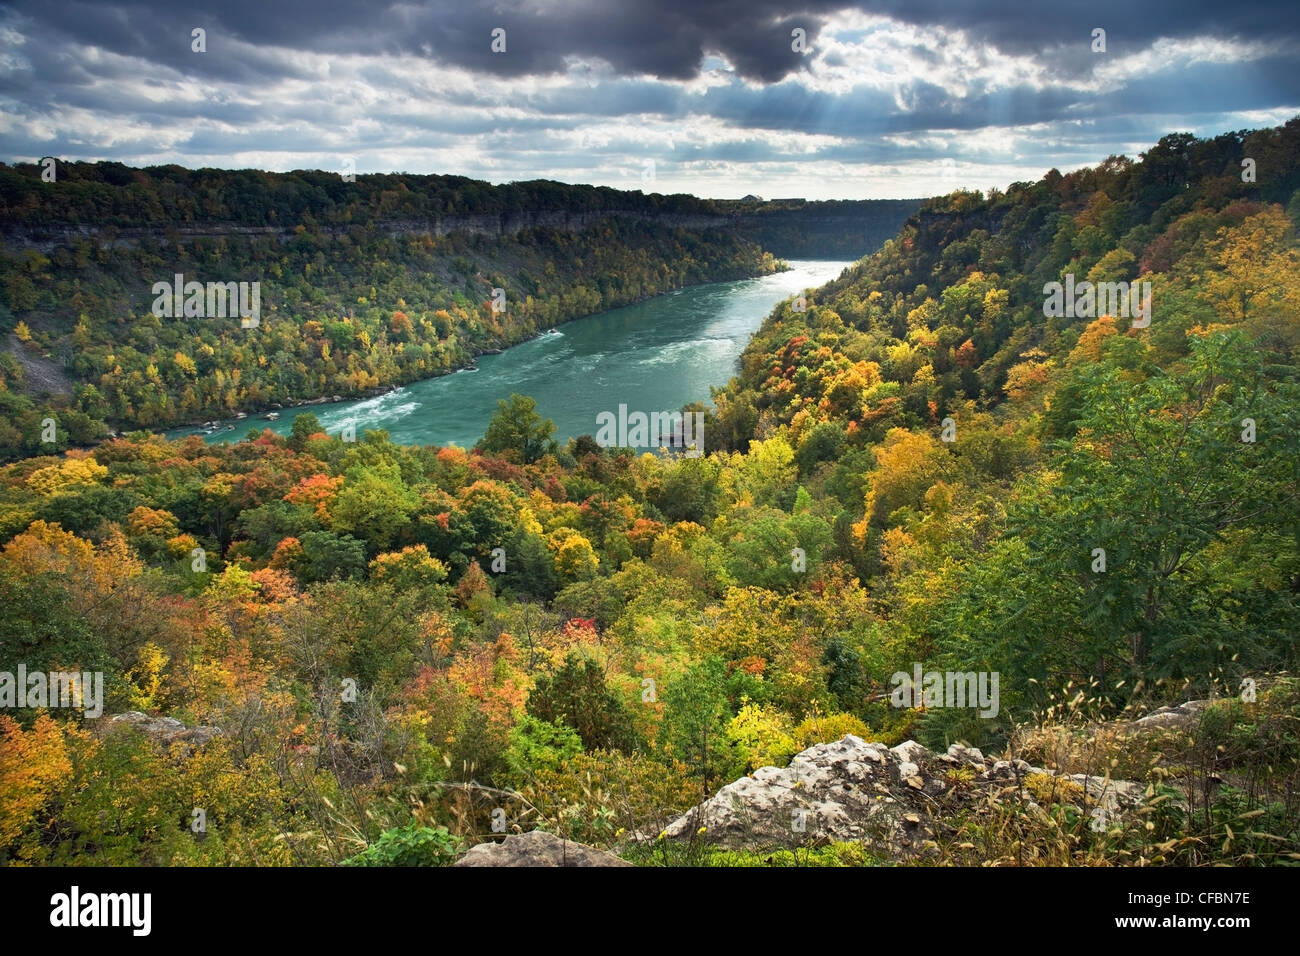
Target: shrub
x: 411, y: 845
x: 826, y: 728
x: 604, y: 797
x: 537, y: 745
x: 1047, y: 788
x: 763, y: 736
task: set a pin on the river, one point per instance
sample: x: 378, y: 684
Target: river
x: 657, y: 355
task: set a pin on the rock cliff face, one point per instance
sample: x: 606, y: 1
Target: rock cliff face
x: 892, y: 798
x: 808, y: 230
x: 509, y: 223
x: 46, y: 238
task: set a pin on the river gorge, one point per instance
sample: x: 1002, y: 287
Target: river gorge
x: 656, y: 355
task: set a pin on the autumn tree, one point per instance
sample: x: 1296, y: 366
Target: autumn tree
x: 33, y: 764
x: 518, y: 432
x: 576, y: 696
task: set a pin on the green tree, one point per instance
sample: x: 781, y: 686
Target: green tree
x: 576, y: 696
x: 375, y: 504
x: 517, y: 432
x: 40, y: 628
x: 697, y: 715
x: 304, y: 426
x: 1196, y: 524
x: 326, y: 555
x: 690, y: 491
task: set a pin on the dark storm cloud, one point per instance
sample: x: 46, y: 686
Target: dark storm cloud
x: 662, y: 38
x: 1208, y: 87
x: 666, y: 40
x: 1018, y: 27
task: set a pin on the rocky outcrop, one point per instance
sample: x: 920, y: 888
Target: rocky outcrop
x: 1183, y: 716
x: 537, y: 848
x: 894, y: 799
x: 166, y: 730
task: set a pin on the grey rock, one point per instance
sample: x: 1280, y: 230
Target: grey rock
x: 1184, y: 716
x: 167, y: 730
x: 891, y: 799
x: 537, y: 848
x: 846, y: 790
x: 1111, y: 794
x: 910, y: 750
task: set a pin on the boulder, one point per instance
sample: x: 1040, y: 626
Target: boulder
x: 537, y: 848
x: 1181, y: 717
x: 893, y: 799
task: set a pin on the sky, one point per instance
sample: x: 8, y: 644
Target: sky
x: 821, y: 100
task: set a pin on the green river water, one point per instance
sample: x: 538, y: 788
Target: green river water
x: 657, y: 355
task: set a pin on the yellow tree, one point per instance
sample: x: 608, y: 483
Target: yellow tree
x: 575, y: 558
x: 74, y: 472
x: 907, y: 464
x: 1257, y: 269
x: 33, y: 763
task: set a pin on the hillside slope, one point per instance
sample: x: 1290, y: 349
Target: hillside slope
x: 362, y: 285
